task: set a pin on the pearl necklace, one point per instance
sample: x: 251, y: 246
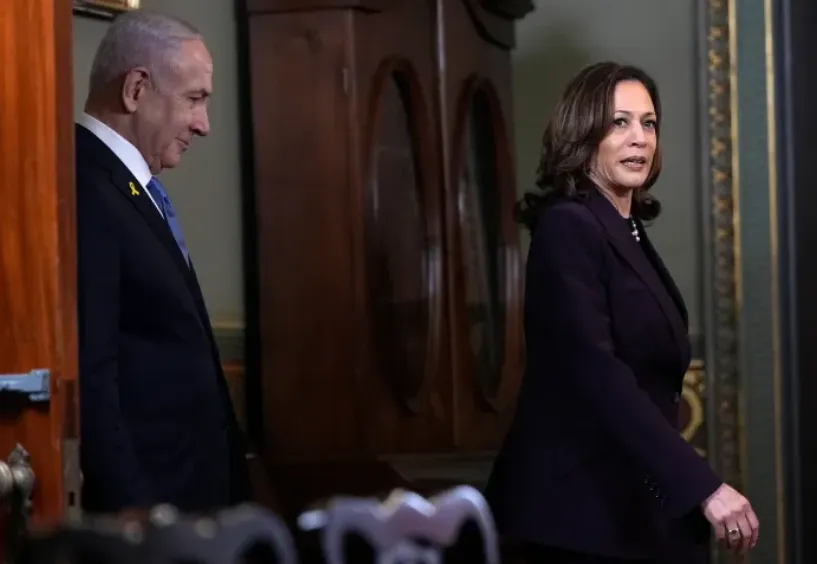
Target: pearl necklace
x: 634, y: 229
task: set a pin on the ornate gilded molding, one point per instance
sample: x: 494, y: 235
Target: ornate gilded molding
x: 724, y: 365
x: 693, y: 408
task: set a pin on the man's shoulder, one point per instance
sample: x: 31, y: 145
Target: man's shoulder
x: 96, y: 192
x: 95, y: 163
x: 92, y: 153
x: 91, y: 177
x: 88, y: 148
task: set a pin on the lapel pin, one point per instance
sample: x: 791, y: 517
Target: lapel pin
x: 133, y: 190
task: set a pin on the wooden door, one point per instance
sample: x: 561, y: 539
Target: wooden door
x: 37, y: 249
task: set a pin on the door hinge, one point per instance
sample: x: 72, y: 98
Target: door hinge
x: 35, y: 385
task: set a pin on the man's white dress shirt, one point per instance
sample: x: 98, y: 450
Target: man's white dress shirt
x: 124, y: 149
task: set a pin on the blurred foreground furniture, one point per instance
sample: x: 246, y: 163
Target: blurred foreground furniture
x: 455, y: 527
x: 243, y: 535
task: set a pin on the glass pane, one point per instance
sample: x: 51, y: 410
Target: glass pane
x: 481, y: 221
x: 397, y: 246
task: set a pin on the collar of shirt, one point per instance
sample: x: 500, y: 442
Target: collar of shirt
x: 124, y: 149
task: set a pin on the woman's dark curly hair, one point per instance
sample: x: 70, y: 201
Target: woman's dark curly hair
x: 582, y: 119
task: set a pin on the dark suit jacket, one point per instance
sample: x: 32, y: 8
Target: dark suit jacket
x: 594, y: 461
x: 157, y: 423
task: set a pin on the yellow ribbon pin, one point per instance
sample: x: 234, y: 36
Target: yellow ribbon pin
x: 133, y: 190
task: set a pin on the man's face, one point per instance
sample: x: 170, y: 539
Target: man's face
x: 169, y: 114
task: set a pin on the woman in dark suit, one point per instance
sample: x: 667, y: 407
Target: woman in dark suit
x: 593, y: 468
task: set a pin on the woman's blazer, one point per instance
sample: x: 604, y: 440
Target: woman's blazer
x: 594, y: 460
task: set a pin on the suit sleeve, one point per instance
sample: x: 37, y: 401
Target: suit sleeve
x: 108, y: 458
x: 570, y: 311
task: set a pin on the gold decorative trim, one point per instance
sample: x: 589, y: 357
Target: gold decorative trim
x: 694, y: 398
x: 771, y: 133
x: 724, y: 377
x: 727, y: 450
x: 105, y: 9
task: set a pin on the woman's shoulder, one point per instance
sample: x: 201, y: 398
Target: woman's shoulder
x: 567, y: 215
x: 566, y: 231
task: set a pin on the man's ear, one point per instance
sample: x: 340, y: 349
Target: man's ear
x: 137, y: 81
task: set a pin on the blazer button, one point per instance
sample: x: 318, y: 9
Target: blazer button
x: 676, y: 398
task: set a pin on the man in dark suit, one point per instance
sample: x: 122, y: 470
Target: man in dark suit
x: 157, y: 421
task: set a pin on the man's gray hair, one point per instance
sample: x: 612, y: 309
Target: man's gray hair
x: 139, y: 38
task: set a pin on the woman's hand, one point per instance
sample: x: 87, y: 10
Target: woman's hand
x: 732, y: 518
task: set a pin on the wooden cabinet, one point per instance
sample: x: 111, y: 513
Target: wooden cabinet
x: 389, y: 274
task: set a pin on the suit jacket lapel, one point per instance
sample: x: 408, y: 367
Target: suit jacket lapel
x: 625, y: 245
x: 666, y: 278
x: 161, y: 229
x: 137, y: 196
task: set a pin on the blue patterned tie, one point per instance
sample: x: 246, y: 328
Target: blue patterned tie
x: 160, y: 196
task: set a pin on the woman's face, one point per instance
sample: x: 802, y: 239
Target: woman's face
x: 624, y: 157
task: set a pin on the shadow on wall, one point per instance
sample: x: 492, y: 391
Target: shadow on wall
x: 543, y: 65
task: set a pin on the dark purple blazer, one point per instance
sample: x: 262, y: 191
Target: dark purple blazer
x: 594, y: 461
